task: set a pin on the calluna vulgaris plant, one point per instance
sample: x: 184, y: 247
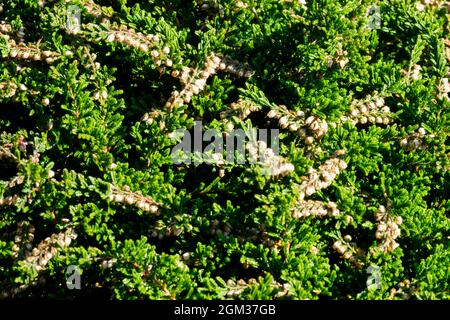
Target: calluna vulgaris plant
x: 362, y: 178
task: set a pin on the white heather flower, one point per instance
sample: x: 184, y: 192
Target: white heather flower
x: 45, y: 101
x: 422, y: 132
x: 118, y: 197
x: 445, y: 85
x: 293, y: 127
x: 300, y: 113
x: 166, y: 50
x: 216, y: 60
x: 416, y: 72
x: 272, y: 114
x: 195, y: 89
x: 141, y: 205
x: 355, y: 112
x: 283, y: 121
x: 343, y: 63
x: 310, y: 190
x: 129, y: 199
x: 342, y: 165
x: 379, y: 102
x: 51, y: 174
x: 111, y: 37
x: 143, y: 47
x: 67, y: 241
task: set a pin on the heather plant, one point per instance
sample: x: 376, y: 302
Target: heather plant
x: 356, y: 205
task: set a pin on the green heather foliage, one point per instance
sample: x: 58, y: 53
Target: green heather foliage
x: 87, y: 179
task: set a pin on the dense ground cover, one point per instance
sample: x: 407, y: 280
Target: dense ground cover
x: 355, y: 206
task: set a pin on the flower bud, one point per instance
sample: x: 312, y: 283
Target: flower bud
x: 111, y: 37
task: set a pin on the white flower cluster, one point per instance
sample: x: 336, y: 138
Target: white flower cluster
x: 403, y: 292
x: 17, y: 180
x: 95, y: 10
x: 370, y: 110
x: 5, y: 27
x: 150, y: 117
x: 7, y: 30
x: 46, y: 249
x: 349, y: 251
x: 340, y: 59
x: 286, y: 118
x: 194, y: 80
x: 240, y: 5
x: 322, y: 178
x: 9, y: 89
x: 210, y: 6
x: 108, y: 263
x: 235, y: 67
x: 9, y: 200
x: 125, y: 196
x: 315, y: 128
x: 317, y: 180
x: 314, y: 208
x: 420, y: 6
x: 23, y: 239
x: 310, y: 129
x: 387, y: 230
x: 161, y: 231
x: 414, y: 141
x: 235, y: 288
x: 272, y: 164
x: 220, y: 228
x: 39, y: 257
